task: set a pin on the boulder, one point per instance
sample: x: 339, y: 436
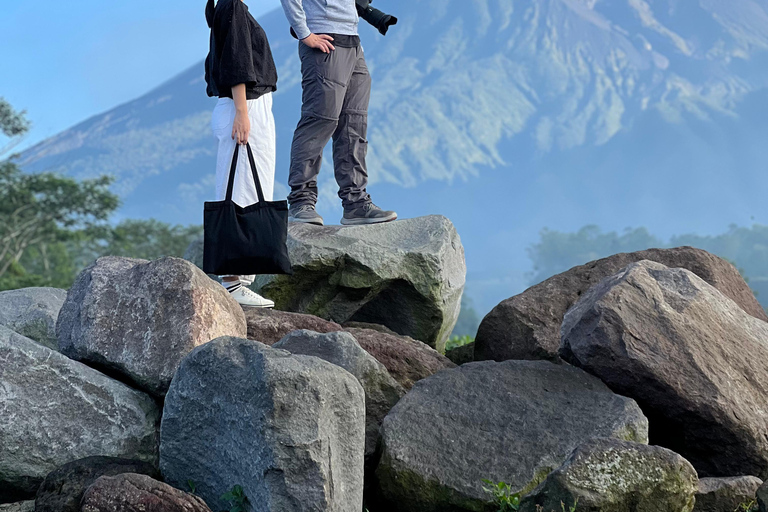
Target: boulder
x: 762, y: 497
x: 269, y: 326
x: 407, y: 275
x: 63, y: 488
x: 691, y: 357
x: 290, y: 429
x: 365, y: 325
x: 609, y: 475
x: 136, y: 320
x: 461, y: 354
x: 54, y: 410
x: 527, y: 326
x: 382, y: 392
x: 32, y: 312
x: 407, y: 360
x: 511, y: 422
x: 21, y: 506
x: 132, y: 492
x: 726, y: 494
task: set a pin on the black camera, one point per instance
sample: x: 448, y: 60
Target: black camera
x: 381, y: 21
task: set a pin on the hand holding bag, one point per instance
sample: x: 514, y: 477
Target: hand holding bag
x: 245, y: 240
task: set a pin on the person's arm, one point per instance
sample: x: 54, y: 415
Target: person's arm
x: 242, y: 125
x: 294, y: 11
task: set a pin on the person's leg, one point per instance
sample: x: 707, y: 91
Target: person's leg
x: 244, y: 190
x: 350, y: 147
x: 324, y: 84
x: 350, y: 143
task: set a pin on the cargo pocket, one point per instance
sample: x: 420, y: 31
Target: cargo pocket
x: 323, y: 97
x: 360, y: 150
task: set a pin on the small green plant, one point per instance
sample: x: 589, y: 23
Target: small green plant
x: 238, y: 501
x: 458, y: 341
x: 503, y: 497
x: 747, y: 506
x: 572, y: 508
x: 192, y: 486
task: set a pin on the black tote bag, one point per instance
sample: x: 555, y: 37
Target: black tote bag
x: 245, y: 240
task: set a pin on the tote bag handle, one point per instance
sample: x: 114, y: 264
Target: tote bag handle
x: 233, y: 168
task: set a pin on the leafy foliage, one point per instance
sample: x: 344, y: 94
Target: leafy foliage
x: 557, y: 252
x: 503, y: 497
x: 41, y: 210
x: 458, y: 341
x: 747, y: 506
x: 238, y: 501
x: 12, y: 124
x: 52, y: 226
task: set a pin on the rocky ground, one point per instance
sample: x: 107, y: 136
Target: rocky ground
x: 631, y: 384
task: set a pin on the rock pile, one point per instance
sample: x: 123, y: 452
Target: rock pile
x: 158, y: 400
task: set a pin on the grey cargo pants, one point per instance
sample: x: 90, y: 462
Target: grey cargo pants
x: 336, y: 89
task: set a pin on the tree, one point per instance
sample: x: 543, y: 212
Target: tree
x: 146, y: 239
x: 52, y: 226
x: 37, y: 210
x: 12, y: 124
x: 745, y: 247
x: 557, y: 252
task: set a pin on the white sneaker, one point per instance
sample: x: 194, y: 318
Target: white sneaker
x: 246, y: 297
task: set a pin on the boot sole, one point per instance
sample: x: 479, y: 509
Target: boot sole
x: 318, y: 222
x: 363, y: 222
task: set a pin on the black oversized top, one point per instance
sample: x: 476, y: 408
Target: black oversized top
x: 239, y: 52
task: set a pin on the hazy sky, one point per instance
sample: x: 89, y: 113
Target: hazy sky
x: 66, y: 61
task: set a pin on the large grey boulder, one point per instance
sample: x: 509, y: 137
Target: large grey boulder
x: 290, y: 429
x: 136, y: 319
x: 54, y: 410
x: 407, y: 275
x: 268, y: 326
x: 408, y: 360
x: 609, y: 475
x: 527, y: 326
x: 382, y: 392
x: 726, y: 494
x: 132, y: 492
x: 511, y: 422
x: 63, y: 488
x: 692, y: 358
x: 32, y: 312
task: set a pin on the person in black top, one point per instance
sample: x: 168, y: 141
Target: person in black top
x: 240, y: 70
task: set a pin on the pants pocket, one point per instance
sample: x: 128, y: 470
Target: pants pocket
x: 323, y: 98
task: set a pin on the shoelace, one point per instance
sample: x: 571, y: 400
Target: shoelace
x: 305, y: 208
x: 251, y: 294
x: 370, y: 206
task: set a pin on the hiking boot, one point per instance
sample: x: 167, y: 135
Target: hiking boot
x: 305, y: 213
x: 367, y: 214
x: 249, y: 298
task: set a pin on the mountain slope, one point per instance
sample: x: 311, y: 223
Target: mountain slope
x: 539, y: 113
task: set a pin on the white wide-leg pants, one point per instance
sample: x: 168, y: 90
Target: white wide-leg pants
x: 262, y: 141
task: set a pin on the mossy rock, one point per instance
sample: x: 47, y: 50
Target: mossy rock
x: 610, y: 475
